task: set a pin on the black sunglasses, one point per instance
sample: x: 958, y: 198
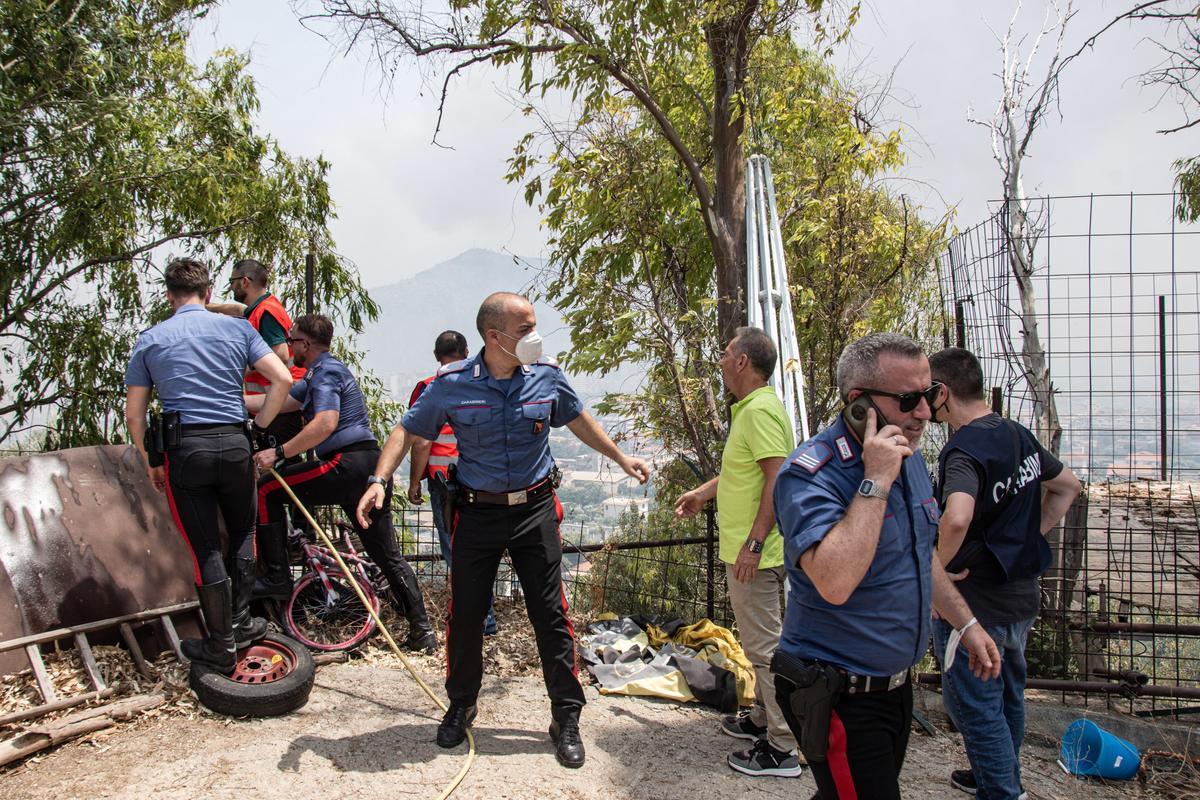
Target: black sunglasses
x: 292, y: 341
x: 909, y: 400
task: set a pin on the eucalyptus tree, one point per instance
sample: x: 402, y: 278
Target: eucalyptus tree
x: 116, y: 151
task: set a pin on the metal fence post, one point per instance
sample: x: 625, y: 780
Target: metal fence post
x: 1162, y: 386
x: 710, y: 526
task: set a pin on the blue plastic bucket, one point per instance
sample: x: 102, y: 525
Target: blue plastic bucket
x: 1088, y: 749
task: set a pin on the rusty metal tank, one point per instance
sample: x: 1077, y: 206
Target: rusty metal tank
x: 84, y: 536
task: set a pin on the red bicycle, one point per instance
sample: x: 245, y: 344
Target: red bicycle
x: 324, y: 612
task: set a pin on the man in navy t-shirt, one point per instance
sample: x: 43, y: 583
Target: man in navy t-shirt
x: 336, y: 427
x: 1000, y: 492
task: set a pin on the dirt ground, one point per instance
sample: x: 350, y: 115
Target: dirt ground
x: 368, y: 731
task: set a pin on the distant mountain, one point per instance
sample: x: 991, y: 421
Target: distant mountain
x: 399, y: 344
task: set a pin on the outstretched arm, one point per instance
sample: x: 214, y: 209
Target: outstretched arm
x: 588, y: 431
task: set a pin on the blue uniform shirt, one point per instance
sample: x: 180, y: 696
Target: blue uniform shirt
x: 196, y: 360
x: 883, y: 627
x: 329, y: 386
x: 503, y: 432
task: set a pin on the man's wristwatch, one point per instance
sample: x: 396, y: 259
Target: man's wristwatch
x: 279, y: 453
x: 869, y: 488
x: 376, y: 479
x: 754, y: 545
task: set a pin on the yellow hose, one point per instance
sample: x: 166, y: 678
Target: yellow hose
x: 462, y: 773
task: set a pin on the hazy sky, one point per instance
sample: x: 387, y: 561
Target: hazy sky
x: 405, y: 204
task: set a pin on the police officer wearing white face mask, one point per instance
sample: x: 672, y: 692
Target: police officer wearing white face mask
x: 501, y: 404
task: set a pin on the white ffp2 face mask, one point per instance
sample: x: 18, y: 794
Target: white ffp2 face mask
x: 529, y: 346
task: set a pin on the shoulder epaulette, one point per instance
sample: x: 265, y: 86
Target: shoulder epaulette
x: 548, y: 361
x: 452, y: 367
x: 813, y: 457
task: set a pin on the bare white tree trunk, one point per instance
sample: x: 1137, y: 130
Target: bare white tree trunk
x: 1017, y: 115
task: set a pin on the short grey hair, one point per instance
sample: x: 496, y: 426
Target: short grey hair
x: 858, y: 367
x: 756, y: 345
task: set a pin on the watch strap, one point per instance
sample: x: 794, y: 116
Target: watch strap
x: 376, y: 479
x: 754, y: 546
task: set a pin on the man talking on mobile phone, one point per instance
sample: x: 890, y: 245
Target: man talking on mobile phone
x: 858, y: 519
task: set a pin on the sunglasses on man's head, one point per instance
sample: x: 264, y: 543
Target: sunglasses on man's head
x: 910, y: 400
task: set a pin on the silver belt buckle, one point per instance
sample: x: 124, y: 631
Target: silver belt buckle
x: 897, y: 680
x: 517, y: 498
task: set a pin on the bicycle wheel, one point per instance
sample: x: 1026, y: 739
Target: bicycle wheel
x: 328, y: 618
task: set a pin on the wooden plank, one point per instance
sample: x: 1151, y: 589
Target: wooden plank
x: 168, y: 629
x: 89, y: 661
x: 135, y: 650
x: 59, y: 705
x: 40, y: 674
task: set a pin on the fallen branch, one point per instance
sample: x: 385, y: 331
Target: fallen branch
x: 72, y: 726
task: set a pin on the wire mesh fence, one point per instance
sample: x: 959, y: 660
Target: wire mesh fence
x: 1116, y: 300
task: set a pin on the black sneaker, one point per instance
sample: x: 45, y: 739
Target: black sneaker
x: 964, y: 781
x: 739, y: 726
x: 763, y: 759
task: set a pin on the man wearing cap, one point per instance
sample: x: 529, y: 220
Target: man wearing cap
x: 502, y: 404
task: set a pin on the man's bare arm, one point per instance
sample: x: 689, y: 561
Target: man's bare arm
x: 1060, y: 492
x: 280, y: 379
x: 137, y: 401
x: 952, y: 528
x: 838, y: 563
x: 418, y: 459
x: 229, y: 309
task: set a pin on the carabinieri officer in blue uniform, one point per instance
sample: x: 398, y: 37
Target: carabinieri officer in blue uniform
x: 858, y: 519
x: 501, y: 405
x: 196, y: 360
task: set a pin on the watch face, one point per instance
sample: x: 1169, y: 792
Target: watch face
x: 867, y: 486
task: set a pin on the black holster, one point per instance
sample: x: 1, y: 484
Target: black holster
x: 172, y: 430
x: 450, y: 496
x: 152, y: 440
x: 806, y: 692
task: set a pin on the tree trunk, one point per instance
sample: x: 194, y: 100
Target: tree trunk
x: 1021, y: 242
x: 726, y: 223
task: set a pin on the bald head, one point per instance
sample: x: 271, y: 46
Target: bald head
x: 496, y: 309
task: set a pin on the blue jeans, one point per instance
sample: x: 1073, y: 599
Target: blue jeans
x: 437, y: 498
x: 990, y: 715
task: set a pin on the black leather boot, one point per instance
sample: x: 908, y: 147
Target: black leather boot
x: 568, y: 744
x: 453, y: 728
x: 276, y: 580
x: 247, y: 629
x: 411, y: 604
x: 217, y: 649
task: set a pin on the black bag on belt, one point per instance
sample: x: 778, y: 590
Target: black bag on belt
x: 811, y: 690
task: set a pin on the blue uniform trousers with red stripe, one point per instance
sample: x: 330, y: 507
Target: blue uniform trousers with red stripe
x: 529, y: 532
x: 868, y: 736
x: 211, y: 473
x: 341, y: 480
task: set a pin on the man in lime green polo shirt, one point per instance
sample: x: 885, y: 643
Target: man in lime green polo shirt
x: 760, y: 438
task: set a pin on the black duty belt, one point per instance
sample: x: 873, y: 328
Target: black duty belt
x: 200, y: 428
x: 468, y: 496
x: 862, y: 684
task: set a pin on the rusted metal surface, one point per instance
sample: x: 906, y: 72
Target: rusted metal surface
x: 84, y: 536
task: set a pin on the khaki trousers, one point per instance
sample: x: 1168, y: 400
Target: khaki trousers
x: 756, y: 611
